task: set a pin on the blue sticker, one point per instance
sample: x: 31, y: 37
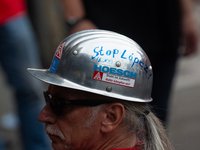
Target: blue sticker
x: 54, y: 65
x: 115, y: 71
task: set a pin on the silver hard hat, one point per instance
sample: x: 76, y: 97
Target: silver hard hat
x: 100, y: 62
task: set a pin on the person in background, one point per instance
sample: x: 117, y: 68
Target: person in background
x: 160, y: 27
x: 18, y: 49
x: 99, y: 87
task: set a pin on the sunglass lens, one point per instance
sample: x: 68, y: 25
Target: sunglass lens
x: 56, y: 107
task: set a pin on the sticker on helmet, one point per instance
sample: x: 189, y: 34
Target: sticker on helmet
x: 114, y: 76
x: 115, y: 71
x: 56, y: 58
x: 58, y: 53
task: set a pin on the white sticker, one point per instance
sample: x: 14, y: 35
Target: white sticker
x: 114, y: 79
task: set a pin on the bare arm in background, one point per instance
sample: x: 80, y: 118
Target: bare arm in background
x: 74, y: 9
x: 190, y: 33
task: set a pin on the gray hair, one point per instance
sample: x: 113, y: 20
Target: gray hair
x: 149, y: 130
x: 90, y: 120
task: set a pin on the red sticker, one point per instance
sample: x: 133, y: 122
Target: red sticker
x: 97, y: 75
x: 58, y: 53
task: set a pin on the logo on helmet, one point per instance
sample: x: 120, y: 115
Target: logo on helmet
x: 114, y: 76
x: 58, y: 53
x: 56, y: 58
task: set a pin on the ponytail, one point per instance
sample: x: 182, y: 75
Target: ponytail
x: 156, y: 137
x: 150, y: 132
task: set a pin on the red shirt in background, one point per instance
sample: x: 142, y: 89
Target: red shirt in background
x: 10, y: 9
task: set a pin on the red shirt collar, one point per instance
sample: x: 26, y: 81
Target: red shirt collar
x: 132, y: 148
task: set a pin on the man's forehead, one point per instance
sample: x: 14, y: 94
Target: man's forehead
x: 73, y: 94
x: 55, y: 88
x: 63, y: 92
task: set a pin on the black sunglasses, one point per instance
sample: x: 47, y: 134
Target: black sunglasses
x: 57, y: 105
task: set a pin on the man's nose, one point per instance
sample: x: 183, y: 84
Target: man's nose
x: 47, y: 115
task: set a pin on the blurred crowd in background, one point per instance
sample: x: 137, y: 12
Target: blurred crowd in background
x: 30, y: 40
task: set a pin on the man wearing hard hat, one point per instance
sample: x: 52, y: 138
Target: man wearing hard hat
x: 99, y: 85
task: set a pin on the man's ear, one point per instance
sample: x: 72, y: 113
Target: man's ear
x: 112, y: 117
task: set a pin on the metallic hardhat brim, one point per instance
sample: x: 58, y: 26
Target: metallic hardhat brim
x: 48, y: 77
